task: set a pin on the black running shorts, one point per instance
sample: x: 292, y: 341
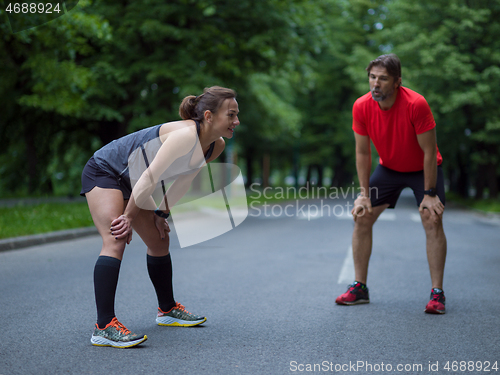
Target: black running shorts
x: 386, y: 185
x: 93, y: 176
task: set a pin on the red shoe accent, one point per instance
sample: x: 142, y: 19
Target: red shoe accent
x: 436, y: 304
x: 355, y: 294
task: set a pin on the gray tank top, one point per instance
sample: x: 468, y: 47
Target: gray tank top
x: 127, y: 157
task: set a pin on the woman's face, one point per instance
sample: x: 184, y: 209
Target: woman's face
x: 226, y: 118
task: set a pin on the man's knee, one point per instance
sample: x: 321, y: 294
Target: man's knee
x: 431, y: 222
x: 365, y: 220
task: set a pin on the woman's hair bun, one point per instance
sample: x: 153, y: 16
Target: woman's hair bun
x: 187, y: 107
x: 194, y: 107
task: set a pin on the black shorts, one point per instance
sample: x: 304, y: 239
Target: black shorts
x: 386, y: 185
x: 93, y: 176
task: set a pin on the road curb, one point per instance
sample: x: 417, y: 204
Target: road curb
x: 22, y: 242
x: 38, y: 239
x: 483, y: 216
x: 69, y: 234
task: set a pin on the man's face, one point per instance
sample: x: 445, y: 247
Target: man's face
x: 382, y: 85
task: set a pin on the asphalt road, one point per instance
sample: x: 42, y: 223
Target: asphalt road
x: 268, y: 289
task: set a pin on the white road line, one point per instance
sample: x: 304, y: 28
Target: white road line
x: 308, y: 216
x: 416, y: 218
x: 347, y: 272
x: 387, y: 216
x: 345, y: 216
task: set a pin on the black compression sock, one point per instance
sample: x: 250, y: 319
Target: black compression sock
x: 106, y: 273
x: 160, y: 273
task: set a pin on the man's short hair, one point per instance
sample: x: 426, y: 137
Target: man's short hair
x: 390, y: 62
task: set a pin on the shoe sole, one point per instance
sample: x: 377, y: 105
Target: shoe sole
x: 434, y: 311
x: 359, y: 301
x: 101, y: 341
x: 173, y: 322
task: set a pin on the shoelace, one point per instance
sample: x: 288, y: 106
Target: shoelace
x: 352, y: 289
x: 438, y: 297
x: 120, y: 327
x: 181, y: 307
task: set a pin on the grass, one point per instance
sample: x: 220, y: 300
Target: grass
x: 486, y: 205
x: 23, y: 220
x: 29, y: 219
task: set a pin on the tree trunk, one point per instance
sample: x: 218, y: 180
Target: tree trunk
x: 463, y: 179
x: 309, y: 173
x: 249, y: 166
x: 266, y: 169
x: 341, y: 177
x: 480, y: 181
x: 320, y: 174
x: 491, y: 179
x: 32, y: 159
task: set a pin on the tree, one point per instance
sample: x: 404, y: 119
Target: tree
x: 112, y: 67
x: 449, y: 51
x: 43, y: 91
x: 343, y: 51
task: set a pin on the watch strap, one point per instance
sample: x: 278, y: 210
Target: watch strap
x: 162, y: 214
x: 431, y: 192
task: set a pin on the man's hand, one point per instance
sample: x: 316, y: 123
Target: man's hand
x: 434, y: 205
x: 361, y: 205
x: 162, y: 226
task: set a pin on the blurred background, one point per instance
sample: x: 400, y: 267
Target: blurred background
x: 108, y: 68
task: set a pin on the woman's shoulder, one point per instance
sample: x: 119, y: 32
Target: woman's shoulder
x: 178, y: 129
x: 220, y: 142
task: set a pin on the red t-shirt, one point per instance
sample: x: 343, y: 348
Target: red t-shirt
x: 394, y: 132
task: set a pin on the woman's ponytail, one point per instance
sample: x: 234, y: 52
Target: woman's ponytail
x: 187, y: 107
x: 193, y: 107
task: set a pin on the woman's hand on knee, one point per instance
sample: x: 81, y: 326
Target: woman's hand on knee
x: 162, y: 226
x: 121, y: 228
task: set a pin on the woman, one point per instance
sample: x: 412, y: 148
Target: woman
x: 117, y: 208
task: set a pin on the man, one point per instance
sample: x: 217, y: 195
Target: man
x: 400, y: 124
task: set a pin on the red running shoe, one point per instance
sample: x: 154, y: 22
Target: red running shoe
x: 356, y: 293
x: 437, y: 302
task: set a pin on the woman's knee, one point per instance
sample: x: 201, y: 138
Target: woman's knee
x: 113, y: 248
x: 159, y: 247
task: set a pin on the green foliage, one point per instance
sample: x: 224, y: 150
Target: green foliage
x: 108, y: 68
x: 486, y: 205
x: 111, y: 67
x: 41, y: 218
x: 452, y: 58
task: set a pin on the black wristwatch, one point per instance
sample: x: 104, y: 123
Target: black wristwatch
x: 162, y: 214
x: 431, y: 192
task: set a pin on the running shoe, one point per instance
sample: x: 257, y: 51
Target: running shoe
x: 178, y: 316
x: 116, y: 335
x: 437, y: 302
x: 356, y: 293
